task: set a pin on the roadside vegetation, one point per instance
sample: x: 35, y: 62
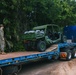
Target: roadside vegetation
x: 21, y: 15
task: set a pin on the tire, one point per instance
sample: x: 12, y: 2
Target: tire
x: 74, y: 53
x: 69, y: 55
x: 41, y: 46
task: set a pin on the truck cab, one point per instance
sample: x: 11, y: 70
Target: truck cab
x: 71, y: 30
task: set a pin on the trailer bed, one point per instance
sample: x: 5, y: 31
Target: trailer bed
x: 22, y: 57
x: 26, y: 53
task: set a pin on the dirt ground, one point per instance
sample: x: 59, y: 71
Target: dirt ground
x: 50, y: 68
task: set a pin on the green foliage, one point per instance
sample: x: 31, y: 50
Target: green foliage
x: 20, y: 15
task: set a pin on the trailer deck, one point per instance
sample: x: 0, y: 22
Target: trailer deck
x: 15, y: 58
x: 18, y: 57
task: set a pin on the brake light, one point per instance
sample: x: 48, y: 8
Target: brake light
x: 63, y: 54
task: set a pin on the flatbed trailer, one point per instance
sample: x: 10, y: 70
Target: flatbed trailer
x: 62, y: 51
x: 20, y: 57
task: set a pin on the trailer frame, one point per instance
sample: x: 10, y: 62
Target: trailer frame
x: 54, y: 54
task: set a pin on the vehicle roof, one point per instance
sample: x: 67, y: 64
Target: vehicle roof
x: 43, y: 26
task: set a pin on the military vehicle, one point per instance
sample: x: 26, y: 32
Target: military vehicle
x: 41, y: 37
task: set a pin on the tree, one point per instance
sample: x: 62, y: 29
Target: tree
x: 21, y: 15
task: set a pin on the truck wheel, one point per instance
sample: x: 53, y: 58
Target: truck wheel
x: 69, y: 55
x: 41, y: 46
x: 74, y: 53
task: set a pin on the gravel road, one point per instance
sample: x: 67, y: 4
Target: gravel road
x: 49, y: 68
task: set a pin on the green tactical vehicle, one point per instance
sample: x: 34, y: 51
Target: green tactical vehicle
x: 41, y: 37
